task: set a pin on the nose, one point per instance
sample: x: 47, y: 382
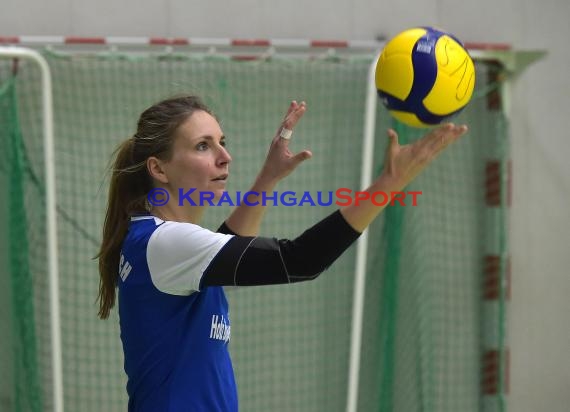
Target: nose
x: 224, y: 157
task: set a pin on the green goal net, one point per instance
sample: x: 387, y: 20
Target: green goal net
x: 424, y: 319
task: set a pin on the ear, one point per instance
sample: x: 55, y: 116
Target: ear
x: 156, y: 169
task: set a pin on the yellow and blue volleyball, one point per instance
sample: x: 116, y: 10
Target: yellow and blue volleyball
x: 424, y: 76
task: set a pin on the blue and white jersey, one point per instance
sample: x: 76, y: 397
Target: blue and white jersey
x: 175, y: 335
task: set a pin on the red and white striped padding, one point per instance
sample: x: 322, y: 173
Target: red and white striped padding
x: 181, y: 41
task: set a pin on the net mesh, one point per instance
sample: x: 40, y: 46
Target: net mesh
x: 290, y: 344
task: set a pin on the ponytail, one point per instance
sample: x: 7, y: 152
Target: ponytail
x: 127, y: 196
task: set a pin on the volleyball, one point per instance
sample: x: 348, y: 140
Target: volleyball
x: 424, y: 76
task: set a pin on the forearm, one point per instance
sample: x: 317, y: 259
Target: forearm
x: 246, y: 220
x: 361, y: 215
x: 248, y: 261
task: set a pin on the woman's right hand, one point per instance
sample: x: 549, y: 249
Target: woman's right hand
x: 403, y: 163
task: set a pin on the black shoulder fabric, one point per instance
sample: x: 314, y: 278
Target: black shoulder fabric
x: 225, y: 230
x: 248, y: 261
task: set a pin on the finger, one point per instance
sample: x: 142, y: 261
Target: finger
x: 390, y: 150
x: 447, y: 136
x: 290, y: 122
x: 438, y: 138
x: 434, y: 138
x: 393, y: 137
x: 301, y: 157
x: 295, y: 115
x: 291, y: 107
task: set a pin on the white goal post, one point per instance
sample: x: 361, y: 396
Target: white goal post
x: 51, y: 221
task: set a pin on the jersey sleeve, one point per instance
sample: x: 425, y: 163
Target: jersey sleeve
x: 179, y: 253
x: 250, y: 261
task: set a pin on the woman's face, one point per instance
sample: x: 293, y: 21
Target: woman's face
x: 199, y: 159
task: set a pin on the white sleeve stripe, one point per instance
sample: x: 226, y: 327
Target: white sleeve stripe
x: 239, y: 260
x: 284, y: 265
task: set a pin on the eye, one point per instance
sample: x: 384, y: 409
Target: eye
x: 223, y: 143
x: 202, y: 146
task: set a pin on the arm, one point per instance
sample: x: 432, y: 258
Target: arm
x: 245, y: 261
x: 250, y: 261
x: 183, y: 258
x: 246, y: 220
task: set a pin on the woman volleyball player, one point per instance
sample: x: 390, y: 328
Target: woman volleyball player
x: 169, y: 271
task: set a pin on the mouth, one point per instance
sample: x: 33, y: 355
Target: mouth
x: 222, y: 178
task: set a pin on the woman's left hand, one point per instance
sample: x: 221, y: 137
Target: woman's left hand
x: 280, y: 161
